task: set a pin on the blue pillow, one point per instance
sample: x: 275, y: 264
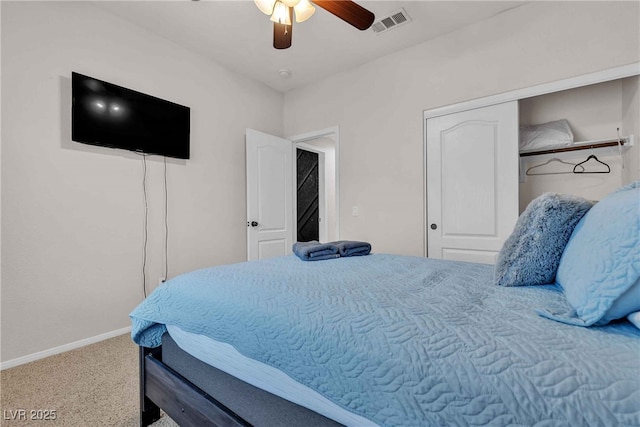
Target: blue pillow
x: 600, y: 267
x: 531, y: 254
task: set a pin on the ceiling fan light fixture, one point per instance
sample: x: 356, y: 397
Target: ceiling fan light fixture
x: 281, y: 14
x: 283, y: 11
x: 265, y: 6
x: 304, y: 9
x: 290, y: 3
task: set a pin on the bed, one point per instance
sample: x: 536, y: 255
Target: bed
x: 383, y: 340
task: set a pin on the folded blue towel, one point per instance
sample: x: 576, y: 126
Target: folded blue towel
x: 315, y: 251
x: 352, y: 248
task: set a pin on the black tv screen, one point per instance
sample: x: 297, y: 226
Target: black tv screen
x: 113, y: 116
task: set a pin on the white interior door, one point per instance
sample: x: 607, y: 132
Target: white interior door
x: 472, y: 182
x: 269, y: 195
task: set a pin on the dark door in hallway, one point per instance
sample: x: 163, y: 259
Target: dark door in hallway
x: 307, y: 196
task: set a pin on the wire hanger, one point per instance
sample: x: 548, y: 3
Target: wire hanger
x: 592, y: 156
x: 555, y: 159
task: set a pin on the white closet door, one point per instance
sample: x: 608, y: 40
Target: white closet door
x: 472, y: 182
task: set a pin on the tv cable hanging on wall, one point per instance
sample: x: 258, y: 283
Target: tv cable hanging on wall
x: 145, y: 232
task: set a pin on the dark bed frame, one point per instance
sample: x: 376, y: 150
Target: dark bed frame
x: 186, y: 404
x: 194, y: 393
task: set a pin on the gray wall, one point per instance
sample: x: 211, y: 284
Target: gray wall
x: 381, y: 130
x: 72, y: 215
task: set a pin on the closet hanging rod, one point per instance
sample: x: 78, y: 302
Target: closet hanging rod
x: 612, y: 143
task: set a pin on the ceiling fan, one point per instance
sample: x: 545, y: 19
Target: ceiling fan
x: 282, y: 13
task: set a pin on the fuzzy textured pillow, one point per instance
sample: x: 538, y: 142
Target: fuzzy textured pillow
x: 531, y: 254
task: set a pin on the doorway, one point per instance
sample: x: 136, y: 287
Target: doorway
x: 324, y: 143
x: 271, y: 190
x: 307, y: 194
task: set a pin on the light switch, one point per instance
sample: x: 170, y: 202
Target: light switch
x: 354, y: 211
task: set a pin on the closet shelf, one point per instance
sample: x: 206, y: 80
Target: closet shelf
x: 625, y: 142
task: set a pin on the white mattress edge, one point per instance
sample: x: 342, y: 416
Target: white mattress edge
x: 225, y: 357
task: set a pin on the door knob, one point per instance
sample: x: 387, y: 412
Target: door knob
x: 433, y: 226
x: 254, y: 223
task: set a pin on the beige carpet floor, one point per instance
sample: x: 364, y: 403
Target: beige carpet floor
x: 96, y: 385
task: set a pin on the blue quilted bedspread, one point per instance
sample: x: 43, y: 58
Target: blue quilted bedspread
x: 408, y: 341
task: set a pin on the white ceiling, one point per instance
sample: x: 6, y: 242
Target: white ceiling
x: 238, y: 36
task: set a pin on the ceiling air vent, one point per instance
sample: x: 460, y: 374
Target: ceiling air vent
x: 393, y: 20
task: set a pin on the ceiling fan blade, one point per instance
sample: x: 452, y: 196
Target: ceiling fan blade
x: 282, y: 33
x: 348, y: 11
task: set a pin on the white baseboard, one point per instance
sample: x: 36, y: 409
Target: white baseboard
x: 61, y: 349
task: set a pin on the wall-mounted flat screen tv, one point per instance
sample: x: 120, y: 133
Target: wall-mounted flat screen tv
x: 113, y: 116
